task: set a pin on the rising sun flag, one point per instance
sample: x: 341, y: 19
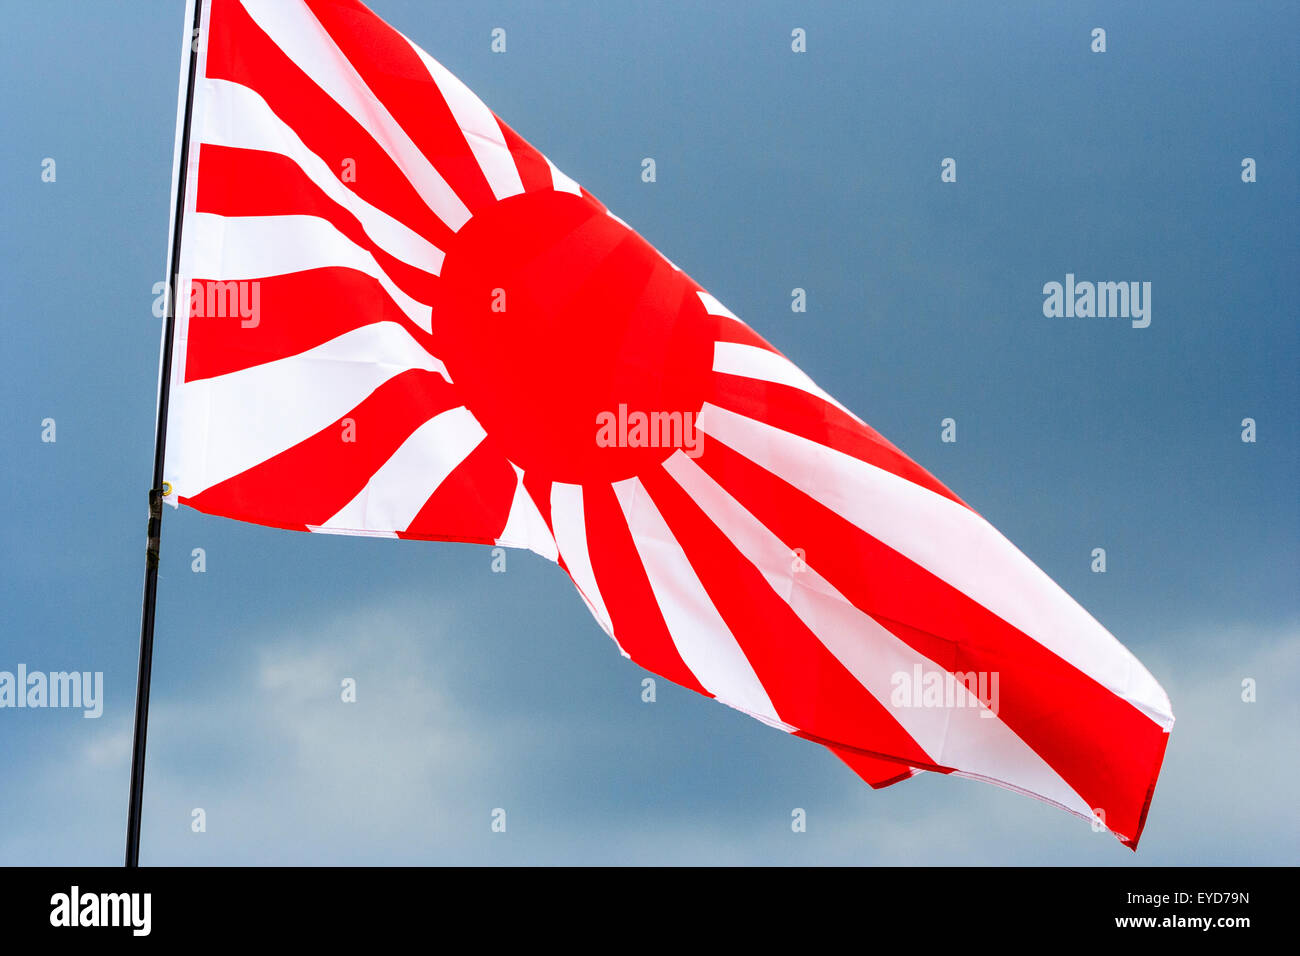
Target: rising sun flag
x: 400, y: 319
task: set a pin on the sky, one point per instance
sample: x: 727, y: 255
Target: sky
x: 479, y: 691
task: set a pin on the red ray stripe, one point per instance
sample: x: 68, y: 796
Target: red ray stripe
x: 878, y: 773
x: 795, y: 411
x: 472, y: 504
x: 239, y: 51
x: 806, y: 683
x: 251, y: 182
x: 729, y: 330
x: 621, y: 578
x: 395, y: 73
x: 534, y: 170
x: 1100, y: 744
x: 308, y: 483
x: 296, y: 312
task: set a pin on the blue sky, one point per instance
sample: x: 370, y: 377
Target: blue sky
x: 775, y: 170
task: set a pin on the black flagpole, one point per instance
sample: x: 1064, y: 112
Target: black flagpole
x: 136, y: 803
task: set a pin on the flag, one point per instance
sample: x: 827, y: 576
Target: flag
x: 405, y: 321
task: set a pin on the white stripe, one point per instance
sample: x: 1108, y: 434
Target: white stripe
x: 525, y: 526
x: 966, y: 736
x: 400, y: 487
x: 750, y: 361
x: 238, y: 117
x: 570, y: 524
x: 562, y: 183
x: 222, y: 426
x: 254, y: 247
x: 296, y: 31
x: 714, y: 307
x: 480, y: 127
x: 950, y: 541
x: 703, y: 640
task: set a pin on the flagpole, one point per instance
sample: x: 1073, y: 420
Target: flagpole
x: 136, y: 801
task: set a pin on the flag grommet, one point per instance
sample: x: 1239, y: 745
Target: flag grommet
x: 166, y: 488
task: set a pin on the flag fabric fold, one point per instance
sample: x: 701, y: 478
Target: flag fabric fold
x: 400, y: 319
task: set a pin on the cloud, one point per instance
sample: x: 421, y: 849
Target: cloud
x: 286, y: 772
